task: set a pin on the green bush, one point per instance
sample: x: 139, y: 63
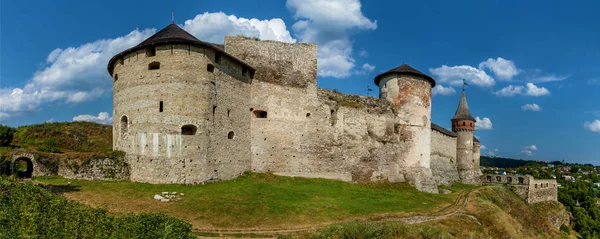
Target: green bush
x: 30, y: 211
x: 6, y: 135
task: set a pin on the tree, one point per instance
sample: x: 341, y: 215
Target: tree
x: 6, y: 135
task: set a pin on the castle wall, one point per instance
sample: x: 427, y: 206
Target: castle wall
x: 443, y: 158
x: 156, y: 149
x: 541, y: 190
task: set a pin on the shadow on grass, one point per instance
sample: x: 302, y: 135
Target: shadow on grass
x: 61, y: 189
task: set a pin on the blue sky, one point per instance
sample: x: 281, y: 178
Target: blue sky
x: 533, y: 66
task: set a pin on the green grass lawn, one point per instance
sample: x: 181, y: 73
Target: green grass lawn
x: 259, y: 200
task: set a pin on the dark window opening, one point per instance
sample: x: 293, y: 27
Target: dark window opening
x: 230, y: 135
x: 160, y: 107
x: 228, y: 111
x: 509, y: 179
x: 210, y: 68
x: 171, y: 49
x: 189, y: 50
x: 244, y: 71
x: 116, y: 77
x: 150, y: 51
x: 188, y: 129
x: 464, y: 123
x: 251, y: 109
x: 124, y: 124
x: 218, y: 57
x: 154, y: 65
x: 536, y: 185
x: 260, y: 114
x: 520, y: 180
x: 214, y: 110
x: 471, y: 124
x: 498, y: 178
x: 307, y: 115
x: 489, y: 178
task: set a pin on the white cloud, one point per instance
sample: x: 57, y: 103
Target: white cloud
x: 213, y: 27
x: 482, y: 147
x: 548, y: 78
x: 502, y: 68
x: 533, y: 90
x: 528, y: 150
x: 455, y: 74
x: 329, y: 23
x: 594, y: 81
x: 366, y: 68
x: 51, y: 120
x: 441, y: 90
x: 531, y: 107
x: 483, y: 124
x: 593, y: 126
x: 363, y: 53
x: 72, y: 75
x: 493, y: 152
x: 102, y: 118
x: 529, y: 89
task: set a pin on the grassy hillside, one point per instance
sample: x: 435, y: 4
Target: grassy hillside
x: 30, y: 211
x: 64, y: 137
x: 491, y: 212
x: 261, y: 200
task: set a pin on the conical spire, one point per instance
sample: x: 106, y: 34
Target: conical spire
x: 463, y: 112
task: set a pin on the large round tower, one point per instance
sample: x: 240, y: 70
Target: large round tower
x: 410, y: 91
x: 463, y: 124
x: 180, y: 109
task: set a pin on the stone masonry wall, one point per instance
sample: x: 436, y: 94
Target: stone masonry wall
x: 443, y: 158
x: 96, y: 169
x: 541, y: 190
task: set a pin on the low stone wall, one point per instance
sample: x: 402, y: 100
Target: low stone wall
x: 530, y: 189
x: 541, y: 190
x: 96, y: 169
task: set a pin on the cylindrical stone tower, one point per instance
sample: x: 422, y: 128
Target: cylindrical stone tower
x: 410, y: 91
x: 463, y: 124
x: 171, y: 93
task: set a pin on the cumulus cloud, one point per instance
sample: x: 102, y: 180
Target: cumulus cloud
x: 102, y: 118
x: 363, y: 53
x: 213, y: 27
x: 529, y: 150
x: 71, y: 75
x: 493, y: 152
x: 483, y: 124
x: 329, y: 23
x: 51, y: 120
x: 441, y: 90
x: 482, y: 147
x: 502, y: 68
x: 455, y: 74
x: 531, y: 107
x: 593, y: 126
x: 529, y: 89
x: 366, y: 68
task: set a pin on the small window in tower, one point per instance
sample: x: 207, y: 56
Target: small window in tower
x: 307, y: 115
x: 210, y: 68
x: 188, y: 129
x: 155, y: 65
x: 116, y: 77
x: 464, y: 123
x: 171, y: 49
x: 260, y: 114
x: 124, y: 125
x: 150, y: 51
x: 230, y: 135
x: 160, y: 107
x: 471, y: 124
x: 218, y: 57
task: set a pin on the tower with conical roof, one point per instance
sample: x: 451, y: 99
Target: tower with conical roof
x: 410, y: 91
x: 463, y: 124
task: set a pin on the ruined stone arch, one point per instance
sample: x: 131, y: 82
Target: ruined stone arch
x: 189, y: 129
x: 29, y: 163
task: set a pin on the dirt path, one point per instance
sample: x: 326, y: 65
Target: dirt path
x: 451, y: 210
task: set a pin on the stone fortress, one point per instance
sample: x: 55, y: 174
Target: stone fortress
x: 187, y: 111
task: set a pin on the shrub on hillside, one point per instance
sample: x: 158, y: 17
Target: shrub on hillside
x: 6, y: 135
x: 30, y: 211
